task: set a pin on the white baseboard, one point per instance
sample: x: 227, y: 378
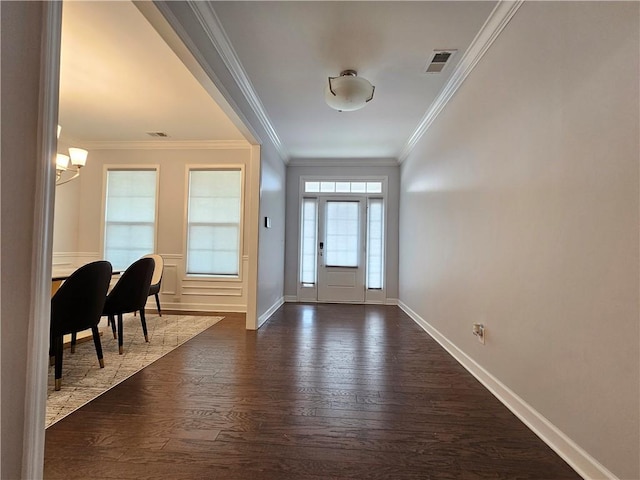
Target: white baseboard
x: 583, y: 463
x: 272, y: 309
x: 197, y: 307
x: 388, y: 301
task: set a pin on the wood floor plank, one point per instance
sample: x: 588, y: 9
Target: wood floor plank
x: 319, y: 392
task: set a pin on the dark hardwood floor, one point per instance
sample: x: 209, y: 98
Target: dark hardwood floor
x: 326, y: 391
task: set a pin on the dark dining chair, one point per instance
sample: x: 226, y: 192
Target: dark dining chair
x: 77, y: 306
x: 130, y: 295
x: 156, y: 279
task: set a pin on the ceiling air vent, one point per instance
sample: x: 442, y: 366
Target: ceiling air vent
x: 157, y: 134
x: 438, y: 60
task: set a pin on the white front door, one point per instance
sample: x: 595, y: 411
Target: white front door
x: 341, y: 252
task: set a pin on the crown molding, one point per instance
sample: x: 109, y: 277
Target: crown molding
x: 212, y: 26
x: 347, y: 162
x: 169, y: 145
x: 493, y: 26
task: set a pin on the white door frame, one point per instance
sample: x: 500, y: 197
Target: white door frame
x: 324, y: 271
x: 310, y: 293
x: 39, y: 318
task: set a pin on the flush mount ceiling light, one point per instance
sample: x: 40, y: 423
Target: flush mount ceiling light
x: 348, y: 92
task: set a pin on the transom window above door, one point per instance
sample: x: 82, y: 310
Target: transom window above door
x: 342, y: 187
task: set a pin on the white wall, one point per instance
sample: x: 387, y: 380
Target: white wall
x: 271, y: 246
x: 21, y: 48
x: 519, y: 209
x: 293, y: 221
x: 65, y: 233
x: 178, y: 291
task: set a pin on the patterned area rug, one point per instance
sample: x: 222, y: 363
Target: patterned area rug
x: 83, y: 379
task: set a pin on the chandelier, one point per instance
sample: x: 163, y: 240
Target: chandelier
x: 68, y: 166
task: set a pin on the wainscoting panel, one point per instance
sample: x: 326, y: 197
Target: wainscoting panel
x: 211, y: 291
x: 178, y: 292
x: 171, y: 284
x: 169, y: 280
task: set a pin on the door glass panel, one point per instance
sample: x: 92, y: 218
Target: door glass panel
x: 309, y: 242
x: 375, y: 246
x: 342, y: 231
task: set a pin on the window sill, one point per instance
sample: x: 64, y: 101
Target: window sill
x: 212, y: 278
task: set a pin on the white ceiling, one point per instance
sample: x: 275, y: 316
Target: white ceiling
x: 288, y: 50
x: 119, y: 79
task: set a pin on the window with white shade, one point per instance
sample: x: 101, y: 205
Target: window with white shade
x: 213, y: 222
x: 309, y: 241
x: 130, y: 216
x: 375, y: 245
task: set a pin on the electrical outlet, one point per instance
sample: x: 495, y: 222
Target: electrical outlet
x: 478, y: 331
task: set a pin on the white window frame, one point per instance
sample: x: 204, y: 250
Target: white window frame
x: 307, y: 293
x: 185, y: 241
x: 120, y: 167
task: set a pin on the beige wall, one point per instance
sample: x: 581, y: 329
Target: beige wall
x: 519, y: 209
x: 190, y: 294
x: 271, y: 246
